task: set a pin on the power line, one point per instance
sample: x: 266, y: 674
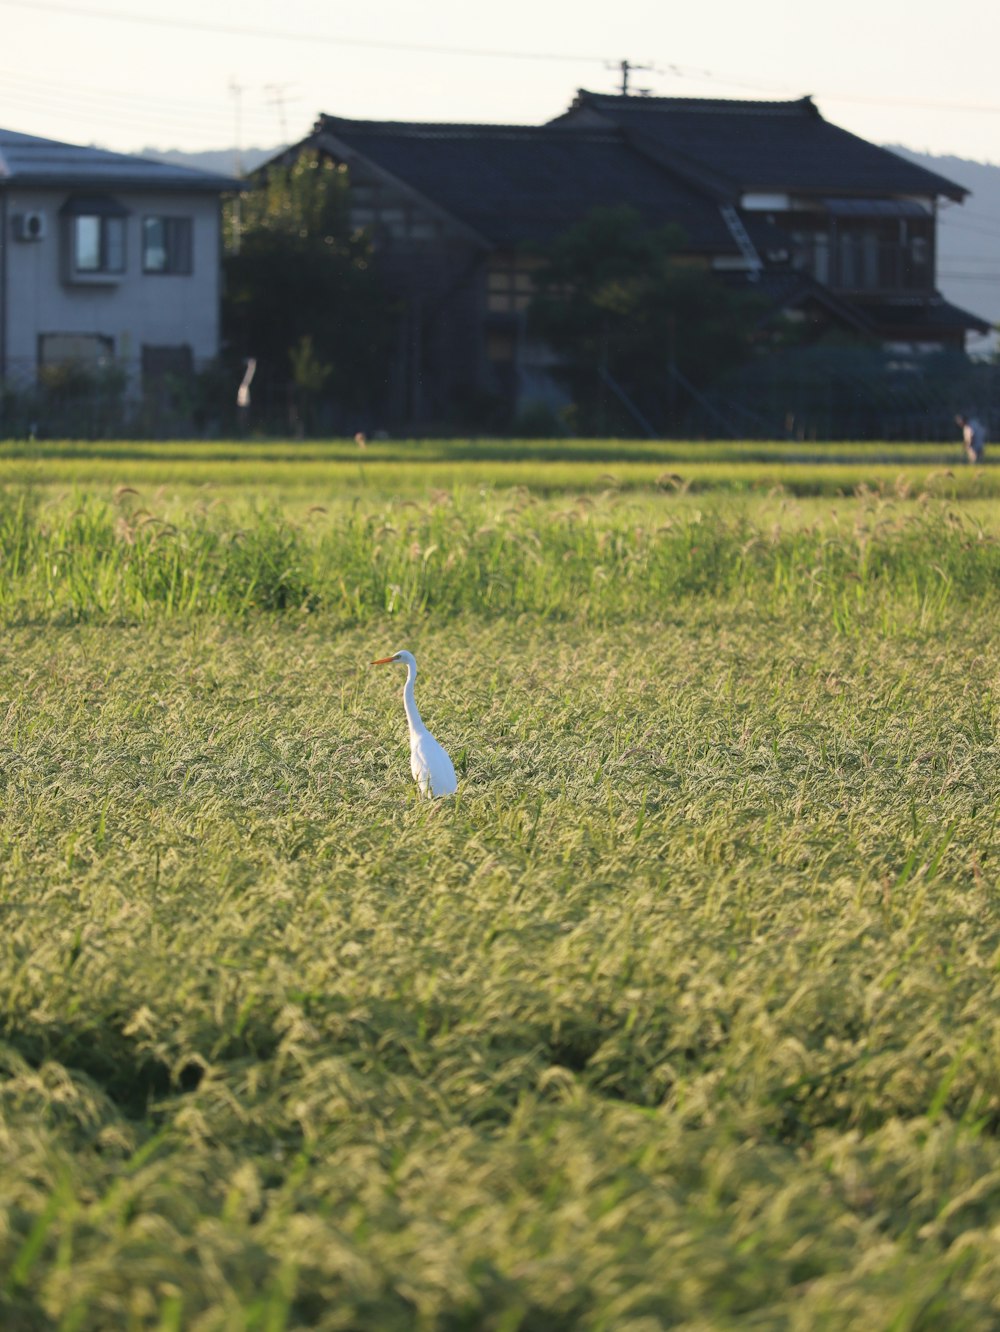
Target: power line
x: 284, y: 35
x: 972, y: 230
x: 137, y: 119
x: 921, y: 103
x: 277, y: 96
x: 61, y: 98
x: 139, y: 111
x: 29, y: 89
x: 428, y: 48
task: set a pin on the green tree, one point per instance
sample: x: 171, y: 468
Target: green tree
x: 297, y: 276
x: 617, y: 300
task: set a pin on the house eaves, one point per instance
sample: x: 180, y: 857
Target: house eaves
x: 878, y: 319
x: 934, y: 310
x: 30, y: 162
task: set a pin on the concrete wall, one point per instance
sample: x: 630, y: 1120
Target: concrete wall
x: 135, y: 308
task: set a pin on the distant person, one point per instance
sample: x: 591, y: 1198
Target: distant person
x: 974, y: 435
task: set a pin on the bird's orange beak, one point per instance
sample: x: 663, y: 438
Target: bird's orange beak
x: 383, y: 661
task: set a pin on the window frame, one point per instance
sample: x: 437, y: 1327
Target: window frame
x: 510, y: 282
x: 112, y: 254
x: 107, y: 219
x: 178, y: 245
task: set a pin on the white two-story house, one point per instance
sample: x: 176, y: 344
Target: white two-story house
x: 106, y: 258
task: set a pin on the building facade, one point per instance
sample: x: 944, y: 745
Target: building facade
x: 105, y: 259
x: 836, y: 234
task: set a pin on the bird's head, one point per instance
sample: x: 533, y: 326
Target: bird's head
x: 403, y: 658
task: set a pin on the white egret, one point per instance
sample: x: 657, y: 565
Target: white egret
x: 431, y: 767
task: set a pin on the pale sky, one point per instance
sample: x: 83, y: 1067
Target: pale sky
x: 131, y: 74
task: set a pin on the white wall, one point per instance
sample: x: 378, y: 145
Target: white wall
x: 136, y: 308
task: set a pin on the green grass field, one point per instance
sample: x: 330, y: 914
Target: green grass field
x: 685, y: 1013
x: 295, y: 470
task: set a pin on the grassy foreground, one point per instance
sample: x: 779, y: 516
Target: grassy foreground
x: 684, y: 1013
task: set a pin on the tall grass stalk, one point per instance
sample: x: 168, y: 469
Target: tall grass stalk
x: 493, y: 555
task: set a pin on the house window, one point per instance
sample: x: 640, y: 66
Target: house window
x: 95, y: 238
x: 89, y: 349
x: 99, y: 244
x: 859, y: 261
x: 167, y: 245
x: 821, y: 256
x: 510, y: 285
x: 920, y: 251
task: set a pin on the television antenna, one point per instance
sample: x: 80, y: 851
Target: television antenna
x: 277, y: 97
x: 627, y: 69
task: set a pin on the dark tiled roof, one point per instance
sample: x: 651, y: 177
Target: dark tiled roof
x: 516, y: 184
x: 789, y: 289
x: 27, y: 160
x: 936, y: 311
x: 763, y: 145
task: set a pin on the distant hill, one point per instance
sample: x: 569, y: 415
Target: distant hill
x: 219, y: 160
x: 968, y: 234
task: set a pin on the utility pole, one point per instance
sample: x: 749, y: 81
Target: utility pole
x: 628, y: 68
x: 237, y: 91
x: 277, y: 98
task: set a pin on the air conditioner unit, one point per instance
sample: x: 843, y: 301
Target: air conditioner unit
x: 29, y: 226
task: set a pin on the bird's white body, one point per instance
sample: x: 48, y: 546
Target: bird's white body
x: 431, y: 767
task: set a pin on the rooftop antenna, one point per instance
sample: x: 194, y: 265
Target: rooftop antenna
x: 277, y: 97
x: 627, y: 69
x: 237, y: 91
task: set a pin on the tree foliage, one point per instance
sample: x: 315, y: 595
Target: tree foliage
x: 301, y: 284
x: 616, y: 299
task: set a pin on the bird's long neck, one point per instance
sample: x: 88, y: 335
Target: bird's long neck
x: 409, y: 701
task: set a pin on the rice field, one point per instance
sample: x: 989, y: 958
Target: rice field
x: 291, y: 470
x: 685, y: 1013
